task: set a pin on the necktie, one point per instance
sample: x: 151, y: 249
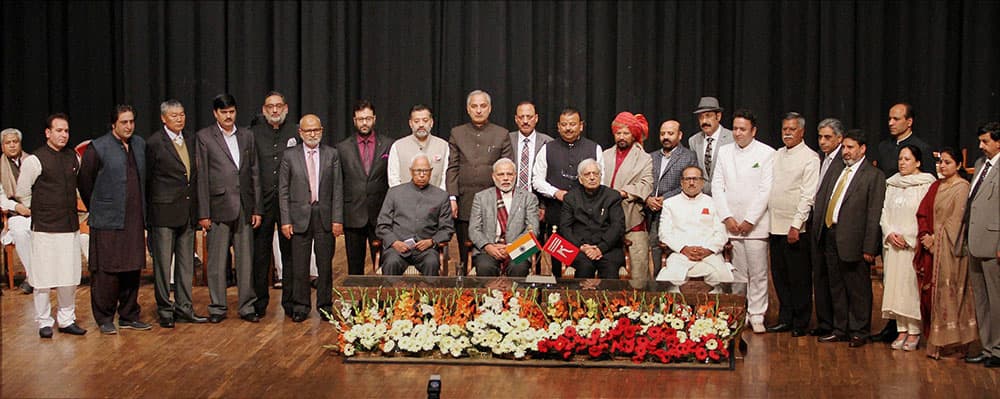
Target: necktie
x: 708, y: 157
x: 183, y: 154
x: 313, y: 178
x: 522, y: 175
x: 837, y: 192
x: 502, y: 219
x: 366, y: 156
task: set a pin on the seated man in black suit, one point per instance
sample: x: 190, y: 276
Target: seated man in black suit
x: 415, y: 217
x: 593, y: 219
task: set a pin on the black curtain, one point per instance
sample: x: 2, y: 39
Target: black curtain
x: 846, y: 59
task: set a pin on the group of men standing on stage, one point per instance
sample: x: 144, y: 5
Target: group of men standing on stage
x: 789, y: 208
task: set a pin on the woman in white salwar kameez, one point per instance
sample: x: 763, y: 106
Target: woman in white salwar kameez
x: 901, y: 296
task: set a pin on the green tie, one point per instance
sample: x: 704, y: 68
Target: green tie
x: 836, y: 196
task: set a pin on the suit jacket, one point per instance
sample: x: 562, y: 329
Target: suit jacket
x: 295, y: 195
x: 634, y: 176
x: 363, y: 193
x: 171, y: 199
x: 858, y: 230
x: 223, y: 189
x: 696, y: 144
x: 515, y: 146
x: 522, y: 215
x: 471, y: 155
x: 668, y: 184
x: 984, y: 214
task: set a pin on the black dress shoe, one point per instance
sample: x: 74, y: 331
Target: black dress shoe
x: 780, y: 327
x: 832, y: 338
x: 45, y: 332
x: 977, y: 358
x: 167, y: 323
x: 322, y: 316
x: 216, y: 318
x: 193, y: 318
x: 798, y: 332
x: 857, y: 342
x: 251, y: 317
x: 992, y: 362
x: 299, y: 317
x: 72, y: 329
x: 888, y: 334
x: 819, y: 332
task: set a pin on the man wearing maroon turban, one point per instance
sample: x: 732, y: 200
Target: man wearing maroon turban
x: 630, y: 172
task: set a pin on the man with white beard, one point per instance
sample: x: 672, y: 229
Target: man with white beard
x: 420, y: 142
x: 273, y: 134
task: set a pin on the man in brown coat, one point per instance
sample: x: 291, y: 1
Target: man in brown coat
x: 473, y: 148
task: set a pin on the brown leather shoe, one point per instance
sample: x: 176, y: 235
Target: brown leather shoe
x: 857, y: 342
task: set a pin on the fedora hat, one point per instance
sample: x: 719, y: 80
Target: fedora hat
x: 707, y: 104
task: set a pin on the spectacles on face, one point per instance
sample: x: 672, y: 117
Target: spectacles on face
x: 308, y: 131
x: 421, y: 171
x: 364, y: 118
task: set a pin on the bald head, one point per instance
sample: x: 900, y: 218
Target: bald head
x: 311, y: 130
x: 670, y: 135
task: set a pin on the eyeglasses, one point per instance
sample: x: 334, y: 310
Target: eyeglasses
x: 316, y: 130
x: 420, y: 171
x: 272, y: 107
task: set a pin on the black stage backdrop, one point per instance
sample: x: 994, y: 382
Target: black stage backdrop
x: 846, y: 59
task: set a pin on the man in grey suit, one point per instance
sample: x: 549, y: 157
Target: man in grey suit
x: 472, y: 149
x: 668, y: 165
x: 364, y: 160
x: 499, y: 216
x: 981, y: 226
x: 845, y: 228
x: 310, y: 200
x: 228, y: 205
x: 526, y: 142
x: 713, y: 136
x: 415, y: 218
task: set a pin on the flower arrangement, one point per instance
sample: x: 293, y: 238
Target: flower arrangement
x: 521, y: 324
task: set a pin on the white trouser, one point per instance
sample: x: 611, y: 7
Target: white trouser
x: 85, y: 245
x: 66, y: 302
x: 750, y: 260
x: 19, y: 233
x: 313, y: 272
x: 907, y: 325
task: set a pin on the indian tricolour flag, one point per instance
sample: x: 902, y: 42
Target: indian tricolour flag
x: 522, y: 248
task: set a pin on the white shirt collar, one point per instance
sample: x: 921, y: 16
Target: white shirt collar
x: 224, y: 132
x: 173, y: 136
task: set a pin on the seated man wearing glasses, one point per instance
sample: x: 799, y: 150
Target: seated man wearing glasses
x: 415, y: 217
x: 593, y: 219
x: 691, y: 227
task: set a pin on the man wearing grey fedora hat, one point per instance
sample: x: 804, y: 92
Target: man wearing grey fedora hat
x: 712, y: 136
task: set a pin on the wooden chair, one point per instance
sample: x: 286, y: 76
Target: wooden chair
x: 965, y: 163
x: 472, y: 270
x: 8, y: 254
x: 411, y: 270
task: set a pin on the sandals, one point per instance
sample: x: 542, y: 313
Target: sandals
x: 910, y: 346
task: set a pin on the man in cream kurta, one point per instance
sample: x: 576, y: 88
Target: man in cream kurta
x: 420, y: 142
x: 630, y: 172
x: 741, y: 187
x: 691, y: 227
x: 796, y: 178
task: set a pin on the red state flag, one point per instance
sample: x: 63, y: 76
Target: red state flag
x: 560, y: 249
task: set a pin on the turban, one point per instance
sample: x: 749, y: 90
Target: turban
x: 636, y: 123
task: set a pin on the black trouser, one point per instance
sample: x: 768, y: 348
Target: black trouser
x: 462, y: 232
x: 295, y: 279
x: 111, y: 292
x: 263, y: 253
x: 791, y: 272
x: 850, y: 290
x: 395, y: 264
x: 358, y: 244
x: 605, y: 268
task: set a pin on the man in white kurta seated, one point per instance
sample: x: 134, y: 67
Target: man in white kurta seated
x: 690, y: 226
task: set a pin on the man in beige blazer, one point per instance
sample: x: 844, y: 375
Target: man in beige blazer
x: 630, y: 172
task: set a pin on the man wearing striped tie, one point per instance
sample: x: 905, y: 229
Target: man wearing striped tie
x: 500, y: 215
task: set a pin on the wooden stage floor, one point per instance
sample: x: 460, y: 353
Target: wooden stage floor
x: 278, y: 358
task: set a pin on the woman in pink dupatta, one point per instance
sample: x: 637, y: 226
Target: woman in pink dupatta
x: 942, y: 271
